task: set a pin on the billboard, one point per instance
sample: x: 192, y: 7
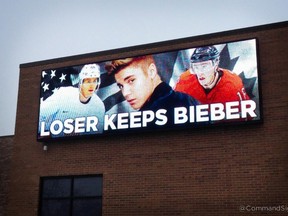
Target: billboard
x: 187, y: 88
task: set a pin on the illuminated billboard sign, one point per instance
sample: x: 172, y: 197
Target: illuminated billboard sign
x: 199, y: 86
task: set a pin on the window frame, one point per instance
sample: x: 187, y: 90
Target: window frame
x: 71, y: 197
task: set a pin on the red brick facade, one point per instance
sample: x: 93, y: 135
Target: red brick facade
x: 6, y: 144
x: 211, y: 171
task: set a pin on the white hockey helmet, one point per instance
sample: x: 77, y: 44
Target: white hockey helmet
x: 90, y: 71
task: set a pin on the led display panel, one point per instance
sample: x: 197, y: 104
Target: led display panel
x: 210, y: 85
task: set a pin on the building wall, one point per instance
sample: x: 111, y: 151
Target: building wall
x: 6, y: 144
x: 208, y: 171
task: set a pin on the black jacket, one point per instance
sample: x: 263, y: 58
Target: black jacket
x: 164, y: 97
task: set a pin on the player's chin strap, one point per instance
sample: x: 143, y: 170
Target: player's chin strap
x: 82, y: 98
x: 214, y: 81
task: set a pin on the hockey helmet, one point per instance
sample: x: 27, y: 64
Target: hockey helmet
x: 204, y: 54
x: 90, y: 71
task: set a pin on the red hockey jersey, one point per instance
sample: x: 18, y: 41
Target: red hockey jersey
x: 228, y: 88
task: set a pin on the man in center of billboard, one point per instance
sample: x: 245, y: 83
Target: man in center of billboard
x: 143, y: 89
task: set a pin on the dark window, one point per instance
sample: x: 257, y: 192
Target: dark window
x: 71, y: 196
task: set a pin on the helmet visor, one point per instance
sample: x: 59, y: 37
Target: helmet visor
x: 91, y: 81
x: 203, y: 67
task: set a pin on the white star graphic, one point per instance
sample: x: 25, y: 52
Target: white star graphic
x: 46, y: 87
x: 63, y: 77
x: 53, y: 73
x: 44, y: 73
x: 55, y: 90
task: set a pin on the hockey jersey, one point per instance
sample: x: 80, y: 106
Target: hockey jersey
x: 228, y: 88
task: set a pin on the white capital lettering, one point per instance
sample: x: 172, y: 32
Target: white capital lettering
x: 180, y: 115
x: 161, y: 117
x: 232, y: 110
x: 202, y: 113
x: 122, y: 120
x: 248, y: 107
x: 108, y: 122
x: 43, y: 132
x: 217, y: 111
x: 68, y: 125
x: 56, y: 127
x: 148, y: 116
x: 135, y: 119
x: 91, y: 123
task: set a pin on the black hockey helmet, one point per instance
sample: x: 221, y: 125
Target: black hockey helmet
x: 204, y: 54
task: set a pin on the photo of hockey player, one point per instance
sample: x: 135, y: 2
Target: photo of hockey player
x: 208, y: 82
x: 74, y: 110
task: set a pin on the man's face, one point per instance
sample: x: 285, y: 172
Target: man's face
x: 205, y: 72
x: 88, y: 87
x: 135, y: 84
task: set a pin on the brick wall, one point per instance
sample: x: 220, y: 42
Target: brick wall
x: 6, y: 144
x: 211, y: 171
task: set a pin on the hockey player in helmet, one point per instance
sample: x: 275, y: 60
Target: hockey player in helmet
x: 204, y: 63
x: 209, y: 83
x: 69, y: 105
x: 89, y: 81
